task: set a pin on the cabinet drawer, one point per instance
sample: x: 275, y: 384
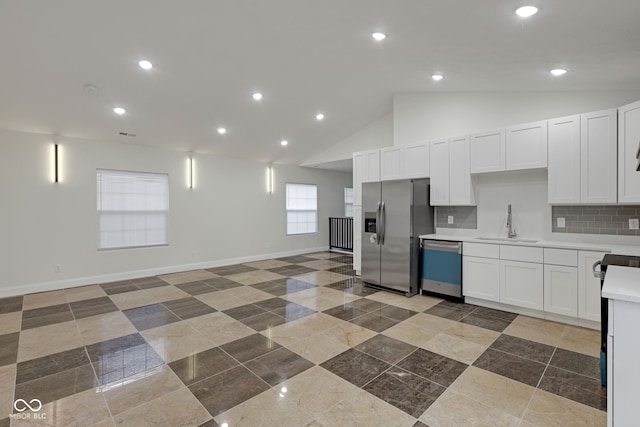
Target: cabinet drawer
x: 521, y: 253
x: 483, y: 250
x: 566, y: 257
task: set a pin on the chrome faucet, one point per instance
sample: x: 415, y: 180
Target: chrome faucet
x: 512, y: 231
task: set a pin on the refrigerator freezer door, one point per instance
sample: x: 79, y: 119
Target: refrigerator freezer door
x: 371, y: 204
x: 395, y: 259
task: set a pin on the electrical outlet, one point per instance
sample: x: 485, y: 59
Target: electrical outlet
x: 561, y: 223
x: 633, y: 224
x: 450, y: 219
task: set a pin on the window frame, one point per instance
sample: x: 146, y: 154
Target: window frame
x: 352, y: 204
x: 287, y: 210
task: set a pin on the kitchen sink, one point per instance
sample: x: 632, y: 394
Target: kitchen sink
x: 504, y: 239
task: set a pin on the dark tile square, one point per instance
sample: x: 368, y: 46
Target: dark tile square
x: 10, y: 304
x: 296, y: 259
x: 355, y: 366
x: 576, y: 362
x: 274, y: 288
x: 149, y: 282
x: 272, y: 304
x: 523, y: 348
x: 187, y: 308
x: 374, y: 321
x: 344, y: 312
x: 433, y: 367
x: 367, y: 305
x: 119, y: 287
x: 227, y: 270
x: 121, y: 358
x: 150, y: 316
x: 496, y: 314
x: 578, y: 388
x: 196, y: 288
x: 46, y: 316
x: 419, y: 424
x: 295, y: 285
x: 491, y: 323
x: 405, y: 391
x: 222, y: 283
x: 293, y: 311
x: 9, y: 348
x: 510, y: 366
x: 244, y: 311
x: 447, y: 312
x: 263, y: 321
x: 345, y: 269
x: 250, y: 347
x: 344, y: 259
x: 227, y: 389
x: 397, y: 313
x: 291, y: 270
x: 202, y: 365
x: 210, y: 423
x: 278, y: 366
x: 353, y: 288
x: 48, y: 365
x: 460, y: 306
x: 92, y: 307
x: 385, y: 348
x: 58, y: 385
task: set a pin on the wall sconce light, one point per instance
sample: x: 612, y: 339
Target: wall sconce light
x: 55, y: 163
x: 190, y: 172
x: 270, y: 179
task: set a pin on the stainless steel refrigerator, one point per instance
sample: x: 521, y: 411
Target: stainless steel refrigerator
x: 395, y: 213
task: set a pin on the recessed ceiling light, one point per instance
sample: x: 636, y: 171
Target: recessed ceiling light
x: 119, y: 110
x: 437, y: 77
x: 378, y: 36
x: 284, y: 142
x: 222, y: 130
x: 558, y: 71
x: 319, y: 116
x: 526, y: 11
x: 257, y: 96
x: 145, y: 65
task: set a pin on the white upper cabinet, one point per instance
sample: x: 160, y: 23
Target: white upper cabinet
x: 564, y: 160
x: 526, y: 146
x: 373, y: 166
x: 391, y: 163
x: 366, y: 168
x: 582, y: 159
x: 598, y: 141
x: 628, y: 146
x: 451, y: 182
x: 487, y: 151
x: 415, y: 160
x: 439, y: 166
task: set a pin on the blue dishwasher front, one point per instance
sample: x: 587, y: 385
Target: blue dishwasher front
x: 441, y: 267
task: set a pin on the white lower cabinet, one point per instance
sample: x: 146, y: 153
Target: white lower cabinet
x: 481, y: 278
x: 561, y: 290
x: 521, y: 284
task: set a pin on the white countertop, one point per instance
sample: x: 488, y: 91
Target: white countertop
x: 598, y: 247
x: 622, y: 283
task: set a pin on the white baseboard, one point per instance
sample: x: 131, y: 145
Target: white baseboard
x: 112, y: 277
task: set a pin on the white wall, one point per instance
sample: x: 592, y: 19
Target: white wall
x: 419, y: 116
x: 377, y: 134
x: 228, y: 216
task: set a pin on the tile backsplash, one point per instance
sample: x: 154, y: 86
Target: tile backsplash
x: 463, y: 217
x: 595, y: 219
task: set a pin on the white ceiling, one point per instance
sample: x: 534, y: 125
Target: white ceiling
x: 305, y: 56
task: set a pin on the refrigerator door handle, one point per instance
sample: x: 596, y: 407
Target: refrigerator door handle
x: 383, y: 218
x: 377, y: 236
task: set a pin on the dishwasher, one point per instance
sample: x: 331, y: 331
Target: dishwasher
x: 442, y: 268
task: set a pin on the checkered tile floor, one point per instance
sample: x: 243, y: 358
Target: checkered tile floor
x: 296, y: 341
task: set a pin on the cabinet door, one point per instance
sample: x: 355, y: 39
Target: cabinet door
x: 391, y: 163
x: 359, y: 176
x: 373, y: 166
x: 481, y: 278
x: 527, y: 146
x: 628, y: 146
x: 415, y: 160
x: 487, y: 151
x: 357, y: 237
x: 439, y: 165
x: 460, y: 188
x: 521, y: 284
x: 599, y: 157
x: 564, y: 160
x: 588, y: 286
x: 561, y: 290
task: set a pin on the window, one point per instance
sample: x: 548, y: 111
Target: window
x: 133, y: 209
x: 348, y: 202
x: 302, y: 208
